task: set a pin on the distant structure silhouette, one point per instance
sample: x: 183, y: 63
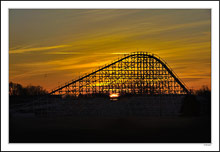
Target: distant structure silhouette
x: 136, y: 73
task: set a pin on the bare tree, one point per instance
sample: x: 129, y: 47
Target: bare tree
x: 204, y: 91
x: 16, y: 89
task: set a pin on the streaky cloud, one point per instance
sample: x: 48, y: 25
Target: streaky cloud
x: 25, y: 50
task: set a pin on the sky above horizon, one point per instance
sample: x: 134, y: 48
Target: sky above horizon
x: 51, y: 47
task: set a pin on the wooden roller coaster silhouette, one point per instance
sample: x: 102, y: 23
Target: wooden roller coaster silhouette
x: 136, y: 73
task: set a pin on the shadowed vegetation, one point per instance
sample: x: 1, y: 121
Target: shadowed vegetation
x: 204, y: 91
x: 191, y: 105
x: 16, y: 89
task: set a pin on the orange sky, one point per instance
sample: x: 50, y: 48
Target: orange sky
x: 50, y: 47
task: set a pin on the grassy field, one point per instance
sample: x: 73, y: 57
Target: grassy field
x: 110, y: 130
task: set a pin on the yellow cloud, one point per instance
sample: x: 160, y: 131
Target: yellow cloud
x: 15, y: 51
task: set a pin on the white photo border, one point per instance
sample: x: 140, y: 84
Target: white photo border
x: 6, y: 5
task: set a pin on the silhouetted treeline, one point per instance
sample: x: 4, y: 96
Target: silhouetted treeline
x: 16, y: 89
x: 191, y: 106
x: 204, y: 91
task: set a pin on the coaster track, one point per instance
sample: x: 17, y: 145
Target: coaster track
x: 136, y: 73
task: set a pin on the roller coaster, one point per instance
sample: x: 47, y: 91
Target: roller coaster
x: 135, y: 73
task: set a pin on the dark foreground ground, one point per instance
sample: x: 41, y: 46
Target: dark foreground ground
x: 110, y: 130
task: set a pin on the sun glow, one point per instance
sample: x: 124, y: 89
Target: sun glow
x: 114, y: 95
